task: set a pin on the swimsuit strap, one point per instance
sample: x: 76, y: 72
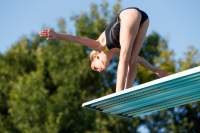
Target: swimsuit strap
x: 106, y: 49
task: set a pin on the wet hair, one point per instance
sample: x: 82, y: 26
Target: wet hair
x: 92, y: 55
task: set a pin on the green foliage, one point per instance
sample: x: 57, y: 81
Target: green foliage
x: 44, y: 83
x: 191, y: 59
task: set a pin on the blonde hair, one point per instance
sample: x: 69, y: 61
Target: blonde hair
x: 92, y: 55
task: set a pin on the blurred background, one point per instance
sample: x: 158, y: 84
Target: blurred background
x: 44, y: 83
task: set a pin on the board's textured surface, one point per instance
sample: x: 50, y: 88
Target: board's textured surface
x: 167, y: 92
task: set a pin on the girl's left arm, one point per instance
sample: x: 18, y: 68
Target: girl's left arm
x: 146, y: 64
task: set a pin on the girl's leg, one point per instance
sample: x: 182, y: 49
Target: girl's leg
x: 129, y: 25
x: 131, y: 75
x: 137, y: 45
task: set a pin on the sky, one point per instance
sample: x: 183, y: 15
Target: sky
x: 175, y: 20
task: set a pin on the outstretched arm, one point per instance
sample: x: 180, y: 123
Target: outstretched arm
x: 146, y: 64
x: 93, y: 44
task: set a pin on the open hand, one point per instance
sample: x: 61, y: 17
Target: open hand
x: 49, y: 34
x: 161, y: 73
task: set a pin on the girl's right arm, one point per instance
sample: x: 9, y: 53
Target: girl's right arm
x: 93, y: 44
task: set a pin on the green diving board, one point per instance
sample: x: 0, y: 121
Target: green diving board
x: 167, y: 92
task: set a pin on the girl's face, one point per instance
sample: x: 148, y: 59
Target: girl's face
x: 98, y: 64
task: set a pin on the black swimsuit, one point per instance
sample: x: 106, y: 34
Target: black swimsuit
x: 113, y: 30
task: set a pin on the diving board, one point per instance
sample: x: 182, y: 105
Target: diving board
x: 167, y: 92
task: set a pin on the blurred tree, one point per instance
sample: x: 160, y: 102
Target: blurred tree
x: 190, y: 59
x: 43, y: 83
x: 15, y: 63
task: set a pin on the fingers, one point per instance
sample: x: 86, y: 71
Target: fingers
x: 165, y: 73
x: 162, y: 73
x: 50, y: 34
x: 44, y: 33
